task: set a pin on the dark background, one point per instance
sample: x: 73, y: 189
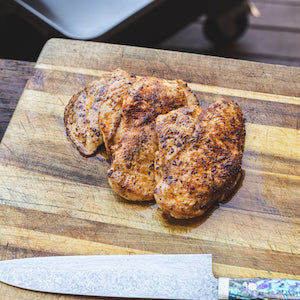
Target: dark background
x: 272, y: 38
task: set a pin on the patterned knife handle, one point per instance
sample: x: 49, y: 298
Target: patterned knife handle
x: 258, y: 288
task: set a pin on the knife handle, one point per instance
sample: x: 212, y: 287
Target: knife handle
x: 259, y: 288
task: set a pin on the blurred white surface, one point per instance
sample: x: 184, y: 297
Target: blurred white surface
x: 84, y: 19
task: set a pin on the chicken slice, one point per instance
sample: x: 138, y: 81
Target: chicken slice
x: 110, y: 112
x: 132, y: 170
x: 102, y: 99
x: 199, y: 157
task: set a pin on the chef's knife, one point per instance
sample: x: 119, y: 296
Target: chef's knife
x: 172, y: 276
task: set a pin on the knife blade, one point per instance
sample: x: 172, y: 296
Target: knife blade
x: 166, y: 276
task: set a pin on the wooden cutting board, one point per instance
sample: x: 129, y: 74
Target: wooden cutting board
x: 56, y: 202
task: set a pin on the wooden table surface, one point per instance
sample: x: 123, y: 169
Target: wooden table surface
x: 55, y: 202
x: 13, y: 77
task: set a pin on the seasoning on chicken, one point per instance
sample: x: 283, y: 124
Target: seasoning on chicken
x: 199, y: 157
x: 102, y: 98
x: 162, y: 145
x: 132, y: 170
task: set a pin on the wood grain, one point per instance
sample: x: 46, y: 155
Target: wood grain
x: 13, y: 77
x: 280, y: 11
x: 258, y: 42
x: 271, y: 38
x: 54, y: 201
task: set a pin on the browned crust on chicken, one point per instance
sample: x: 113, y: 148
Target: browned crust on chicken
x: 174, y: 131
x: 158, y: 138
x: 81, y: 117
x: 110, y: 112
x: 101, y: 99
x: 132, y: 171
x: 199, y: 157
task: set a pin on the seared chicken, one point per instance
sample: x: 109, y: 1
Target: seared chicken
x: 120, y: 110
x: 199, y: 157
x: 161, y: 143
x: 132, y: 170
x: 101, y: 99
